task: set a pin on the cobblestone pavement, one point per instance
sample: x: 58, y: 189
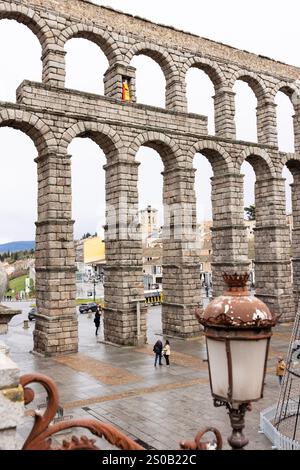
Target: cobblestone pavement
x: 159, y: 406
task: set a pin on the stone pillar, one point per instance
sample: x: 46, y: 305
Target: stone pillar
x: 11, y: 401
x: 113, y: 80
x: 56, y: 324
x: 176, y: 99
x: 54, y: 71
x: 266, y: 123
x: 272, y: 248
x: 224, y: 113
x: 181, y: 267
x: 124, y: 262
x: 296, y: 119
x: 229, y: 241
x: 296, y: 235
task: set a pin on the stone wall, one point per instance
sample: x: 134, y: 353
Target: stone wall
x: 11, y: 401
x: 53, y: 116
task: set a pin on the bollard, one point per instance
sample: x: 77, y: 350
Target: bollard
x: 26, y: 325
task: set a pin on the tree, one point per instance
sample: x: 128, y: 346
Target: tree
x: 250, y: 212
x: 85, y: 235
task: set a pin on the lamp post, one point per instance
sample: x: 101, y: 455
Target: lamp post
x: 94, y: 283
x: 139, y: 337
x: 237, y: 328
x: 95, y: 280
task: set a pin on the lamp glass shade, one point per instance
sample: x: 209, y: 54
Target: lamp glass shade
x: 218, y: 367
x: 248, y: 365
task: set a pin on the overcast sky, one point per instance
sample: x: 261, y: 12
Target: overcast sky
x: 269, y: 28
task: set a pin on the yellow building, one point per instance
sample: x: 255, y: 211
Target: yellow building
x: 94, y: 251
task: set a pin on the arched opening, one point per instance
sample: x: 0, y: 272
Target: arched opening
x: 271, y: 238
x: 88, y: 187
x: 151, y: 214
x: 288, y: 176
x: 291, y: 172
x: 200, y: 92
x: 86, y: 65
x: 150, y: 182
x: 88, y: 211
x: 18, y: 212
x: 20, y: 60
x: 249, y: 215
x: 257, y: 173
x: 203, y: 175
x: 150, y: 81
x: 176, y: 240
x: 226, y: 213
x: 257, y: 214
x: 245, y: 112
x: 289, y: 180
x: 285, y: 123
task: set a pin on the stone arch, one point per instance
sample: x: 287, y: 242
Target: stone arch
x: 291, y: 161
x: 32, y: 126
x: 217, y: 156
x: 256, y: 84
x: 103, y: 135
x: 261, y: 131
x: 32, y: 20
x: 168, y: 150
x: 291, y: 90
x: 260, y: 161
x: 158, y: 54
x: 208, y: 66
x: 102, y: 38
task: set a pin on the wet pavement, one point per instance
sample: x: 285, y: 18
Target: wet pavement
x: 156, y: 406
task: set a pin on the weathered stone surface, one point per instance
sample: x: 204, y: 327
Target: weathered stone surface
x: 11, y: 402
x: 9, y: 376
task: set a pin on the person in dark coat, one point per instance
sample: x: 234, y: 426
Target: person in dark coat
x: 157, y: 349
x: 206, y: 290
x: 97, y: 320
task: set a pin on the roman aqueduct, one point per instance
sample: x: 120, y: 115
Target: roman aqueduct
x: 52, y: 116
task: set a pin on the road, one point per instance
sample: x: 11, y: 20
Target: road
x: 85, y: 322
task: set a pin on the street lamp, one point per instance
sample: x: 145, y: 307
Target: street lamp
x: 95, y: 280
x: 139, y: 336
x: 94, y: 283
x: 237, y: 328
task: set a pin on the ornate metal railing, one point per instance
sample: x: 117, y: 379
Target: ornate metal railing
x: 40, y: 437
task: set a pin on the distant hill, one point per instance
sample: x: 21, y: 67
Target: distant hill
x: 17, y: 246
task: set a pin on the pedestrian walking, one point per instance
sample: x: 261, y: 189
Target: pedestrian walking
x: 157, y: 349
x: 280, y: 368
x: 167, y: 352
x: 97, y: 320
x: 206, y: 290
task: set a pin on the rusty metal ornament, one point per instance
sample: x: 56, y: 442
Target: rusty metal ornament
x: 40, y: 435
x: 236, y: 308
x: 198, y: 444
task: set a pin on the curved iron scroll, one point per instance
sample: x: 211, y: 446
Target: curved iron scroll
x: 40, y: 435
x: 198, y: 444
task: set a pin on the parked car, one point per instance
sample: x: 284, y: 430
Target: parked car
x: 90, y: 307
x: 32, y: 313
